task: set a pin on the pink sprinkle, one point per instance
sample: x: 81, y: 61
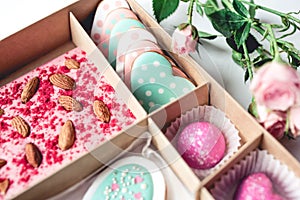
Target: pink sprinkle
x: 138, y: 179
x: 118, y: 3
x: 114, y: 186
x: 99, y: 23
x: 121, y: 59
x: 135, y: 36
x: 97, y: 36
x: 138, y: 195
x: 105, y: 7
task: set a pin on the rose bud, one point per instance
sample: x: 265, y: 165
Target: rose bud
x: 184, y: 39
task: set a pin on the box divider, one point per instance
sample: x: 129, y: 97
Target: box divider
x: 205, y: 195
x: 275, y: 148
x: 172, y: 157
x: 81, y: 39
x: 169, y: 112
x: 242, y: 152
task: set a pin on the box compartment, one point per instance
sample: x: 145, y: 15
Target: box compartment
x: 274, y: 148
x: 90, y: 162
x: 163, y: 118
x: 40, y: 38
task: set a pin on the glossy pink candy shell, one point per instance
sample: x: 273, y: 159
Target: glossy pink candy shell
x: 202, y: 145
x: 256, y: 186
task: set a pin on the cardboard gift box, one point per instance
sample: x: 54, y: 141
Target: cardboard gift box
x: 70, y: 27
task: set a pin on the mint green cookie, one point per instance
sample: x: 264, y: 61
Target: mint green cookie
x: 152, y: 74
x: 131, y: 181
x: 153, y: 95
x: 116, y: 33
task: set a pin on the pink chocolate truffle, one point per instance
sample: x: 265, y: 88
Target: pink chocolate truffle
x: 202, y: 145
x: 256, y: 186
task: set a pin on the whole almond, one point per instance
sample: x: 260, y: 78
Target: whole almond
x: 72, y: 64
x: 21, y: 125
x: 30, y: 89
x: 4, y: 185
x: 2, y: 162
x: 69, y: 103
x: 66, y: 136
x: 101, y: 111
x: 1, y: 111
x: 33, y: 155
x: 62, y: 81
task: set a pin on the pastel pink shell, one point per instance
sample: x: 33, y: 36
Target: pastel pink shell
x: 201, y: 144
x: 256, y: 186
x: 110, y: 21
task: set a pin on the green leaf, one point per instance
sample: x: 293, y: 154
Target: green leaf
x: 182, y: 26
x: 205, y: 35
x: 241, y: 35
x: 290, y: 33
x: 240, y: 8
x: 164, y: 8
x: 295, y: 61
x: 237, y: 58
x: 185, y: 0
x: 199, y: 8
x: 210, y: 7
x: 252, y: 109
x: 292, y: 52
x: 286, y: 24
x: 261, y: 62
x: 252, y: 10
x: 251, y: 44
x: 227, y: 5
x: 226, y: 21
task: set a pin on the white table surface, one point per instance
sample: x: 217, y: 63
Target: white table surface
x: 214, y: 56
x: 18, y: 14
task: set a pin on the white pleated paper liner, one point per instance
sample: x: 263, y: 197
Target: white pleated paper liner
x: 214, y: 116
x: 284, y: 181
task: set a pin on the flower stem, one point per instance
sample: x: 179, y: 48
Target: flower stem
x: 248, y: 61
x: 228, y: 4
x: 272, y: 11
x: 190, y: 11
x: 274, y: 46
x: 272, y: 40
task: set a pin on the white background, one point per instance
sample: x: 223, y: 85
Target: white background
x: 18, y: 14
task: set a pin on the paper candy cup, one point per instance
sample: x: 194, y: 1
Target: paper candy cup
x: 214, y: 116
x: 285, y: 183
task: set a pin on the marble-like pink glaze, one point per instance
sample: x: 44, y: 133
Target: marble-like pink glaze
x: 256, y: 186
x: 201, y: 144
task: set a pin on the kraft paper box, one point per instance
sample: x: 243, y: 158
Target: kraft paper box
x: 60, y: 32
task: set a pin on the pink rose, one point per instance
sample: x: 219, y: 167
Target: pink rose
x: 295, y: 121
x: 273, y: 121
x: 184, y: 39
x: 276, y: 86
